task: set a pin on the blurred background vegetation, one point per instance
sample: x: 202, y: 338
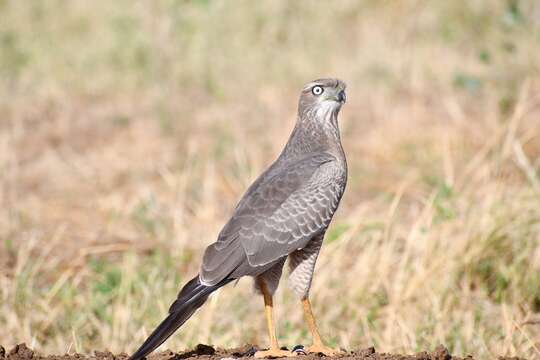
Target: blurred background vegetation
x: 129, y: 129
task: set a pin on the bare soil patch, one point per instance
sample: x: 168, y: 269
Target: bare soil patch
x: 206, y: 352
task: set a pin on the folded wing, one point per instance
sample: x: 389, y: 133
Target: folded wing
x: 281, y: 212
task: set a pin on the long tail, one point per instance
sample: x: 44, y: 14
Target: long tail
x: 192, y: 296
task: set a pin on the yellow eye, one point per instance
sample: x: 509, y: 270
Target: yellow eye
x: 317, y: 90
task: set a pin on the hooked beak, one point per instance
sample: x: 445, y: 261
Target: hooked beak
x: 342, y: 97
x: 338, y: 97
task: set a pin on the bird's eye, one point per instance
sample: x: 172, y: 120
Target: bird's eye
x: 317, y: 90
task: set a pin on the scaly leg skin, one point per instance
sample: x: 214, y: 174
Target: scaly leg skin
x: 274, y: 351
x: 318, y: 345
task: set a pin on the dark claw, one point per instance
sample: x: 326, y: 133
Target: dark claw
x: 299, y: 350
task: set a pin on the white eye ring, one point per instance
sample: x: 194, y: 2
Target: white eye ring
x: 317, y: 90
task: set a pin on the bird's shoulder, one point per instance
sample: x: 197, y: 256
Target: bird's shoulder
x: 282, y: 179
x: 288, y: 168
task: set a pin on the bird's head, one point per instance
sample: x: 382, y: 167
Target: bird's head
x: 322, y: 98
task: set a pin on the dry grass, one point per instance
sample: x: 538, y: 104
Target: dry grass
x: 129, y: 130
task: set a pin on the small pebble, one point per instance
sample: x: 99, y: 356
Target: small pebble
x: 203, y: 349
x: 246, y: 351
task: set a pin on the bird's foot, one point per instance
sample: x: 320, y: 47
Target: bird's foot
x: 321, y: 349
x: 274, y: 353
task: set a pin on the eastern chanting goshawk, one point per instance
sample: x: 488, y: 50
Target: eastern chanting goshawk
x: 283, y: 215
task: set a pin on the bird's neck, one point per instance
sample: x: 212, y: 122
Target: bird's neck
x: 315, y: 131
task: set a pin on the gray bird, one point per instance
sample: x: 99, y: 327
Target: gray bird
x: 283, y: 214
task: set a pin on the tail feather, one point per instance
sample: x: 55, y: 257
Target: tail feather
x: 192, y: 296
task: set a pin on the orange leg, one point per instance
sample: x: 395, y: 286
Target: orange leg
x: 274, y: 350
x: 318, y: 345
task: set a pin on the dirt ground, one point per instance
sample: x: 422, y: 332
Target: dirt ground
x: 206, y: 352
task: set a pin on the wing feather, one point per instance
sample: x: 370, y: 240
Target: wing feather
x: 280, y: 212
x: 304, y: 215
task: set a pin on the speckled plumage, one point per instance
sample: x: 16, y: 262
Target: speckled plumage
x: 283, y: 214
x: 289, y: 205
